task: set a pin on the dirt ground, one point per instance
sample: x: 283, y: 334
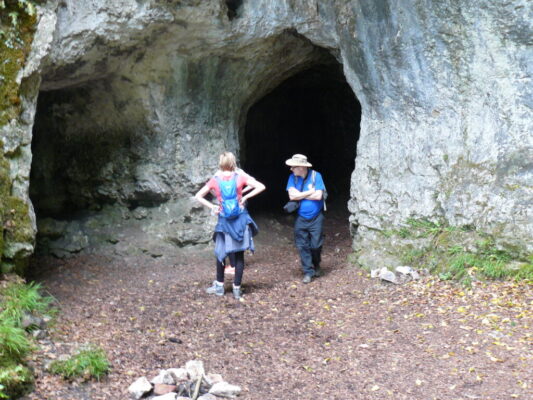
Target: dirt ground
x: 344, y: 336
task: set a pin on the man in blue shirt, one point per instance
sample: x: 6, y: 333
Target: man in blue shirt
x: 307, y: 187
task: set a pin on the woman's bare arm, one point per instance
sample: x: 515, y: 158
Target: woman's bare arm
x: 200, y: 196
x: 257, y: 187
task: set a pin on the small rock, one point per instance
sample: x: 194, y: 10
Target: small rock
x: 168, y: 396
x: 179, y: 374
x: 207, y: 396
x: 496, y: 334
x: 211, y: 379
x: 224, y: 389
x: 195, y: 369
x: 38, y: 334
x: 164, y: 377
x: 404, y: 270
x: 29, y: 321
x: 408, y: 271
x: 139, y: 388
x: 161, y: 388
x: 388, y: 276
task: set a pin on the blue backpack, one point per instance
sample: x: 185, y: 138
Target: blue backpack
x: 230, y: 203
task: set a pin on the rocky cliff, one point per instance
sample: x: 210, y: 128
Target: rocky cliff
x: 125, y: 105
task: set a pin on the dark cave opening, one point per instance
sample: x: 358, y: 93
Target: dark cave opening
x: 233, y: 8
x: 78, y: 167
x: 314, y: 113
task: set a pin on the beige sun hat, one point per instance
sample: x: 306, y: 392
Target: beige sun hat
x: 298, y: 160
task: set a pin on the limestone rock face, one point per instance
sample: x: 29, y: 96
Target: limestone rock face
x: 448, y: 136
x: 137, y: 99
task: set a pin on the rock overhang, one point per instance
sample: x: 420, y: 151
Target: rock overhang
x: 426, y: 114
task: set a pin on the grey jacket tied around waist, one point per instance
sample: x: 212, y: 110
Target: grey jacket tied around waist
x: 233, y: 235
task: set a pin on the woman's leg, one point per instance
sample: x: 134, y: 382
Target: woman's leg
x: 231, y: 257
x: 239, y: 267
x: 217, y: 287
x: 220, y: 271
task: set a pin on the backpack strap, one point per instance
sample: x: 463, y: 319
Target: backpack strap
x: 219, y: 179
x: 313, y: 179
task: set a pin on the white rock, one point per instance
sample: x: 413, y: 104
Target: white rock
x: 179, y: 374
x: 375, y: 273
x: 168, y: 396
x: 139, y: 388
x: 406, y: 270
x: 224, y: 389
x: 213, y: 378
x: 388, y: 276
x: 195, y: 369
x: 415, y: 275
x: 207, y: 396
x: 164, y: 377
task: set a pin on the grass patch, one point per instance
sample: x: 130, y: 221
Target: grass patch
x: 17, y: 299
x: 14, y: 345
x: 86, y: 363
x: 448, y: 255
x: 20, y: 298
x: 15, y: 380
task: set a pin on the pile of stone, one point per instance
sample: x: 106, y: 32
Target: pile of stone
x: 36, y: 325
x: 189, y: 382
x: 401, y: 274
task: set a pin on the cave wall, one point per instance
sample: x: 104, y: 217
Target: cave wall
x: 444, y: 89
x: 448, y: 123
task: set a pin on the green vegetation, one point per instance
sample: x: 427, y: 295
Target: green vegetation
x: 15, y: 380
x: 17, y: 299
x: 5, y: 187
x: 87, y: 363
x: 13, y: 342
x: 460, y: 253
x: 20, y: 298
x: 17, y: 25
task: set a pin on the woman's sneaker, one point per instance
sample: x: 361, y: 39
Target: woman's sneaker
x: 237, y: 293
x: 216, y: 289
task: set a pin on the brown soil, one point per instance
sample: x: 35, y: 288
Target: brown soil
x: 344, y: 336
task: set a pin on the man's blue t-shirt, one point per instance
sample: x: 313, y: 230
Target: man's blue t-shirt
x: 308, y: 208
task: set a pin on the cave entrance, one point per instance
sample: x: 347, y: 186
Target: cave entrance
x: 315, y: 113
x: 71, y: 153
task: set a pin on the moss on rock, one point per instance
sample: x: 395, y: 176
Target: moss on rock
x: 19, y: 235
x: 5, y: 185
x: 17, y: 28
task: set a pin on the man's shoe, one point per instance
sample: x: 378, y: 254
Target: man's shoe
x: 237, y: 293
x: 307, y: 279
x: 215, y: 289
x: 318, y: 271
